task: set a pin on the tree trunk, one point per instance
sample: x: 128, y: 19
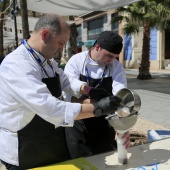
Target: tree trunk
x: 73, y: 38
x: 24, y: 16
x: 144, y: 73
x: 1, y: 30
x: 33, y: 13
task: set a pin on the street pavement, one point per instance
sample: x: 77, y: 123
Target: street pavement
x: 155, y: 99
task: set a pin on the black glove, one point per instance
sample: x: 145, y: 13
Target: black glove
x: 106, y: 106
x: 98, y: 93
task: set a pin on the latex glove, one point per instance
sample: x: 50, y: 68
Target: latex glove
x: 98, y: 93
x: 106, y: 106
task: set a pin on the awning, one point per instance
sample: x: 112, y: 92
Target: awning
x: 86, y: 43
x: 74, y: 7
x: 64, y: 8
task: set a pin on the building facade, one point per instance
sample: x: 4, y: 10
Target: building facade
x: 89, y: 27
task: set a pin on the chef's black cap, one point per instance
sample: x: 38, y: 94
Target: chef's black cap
x: 110, y: 41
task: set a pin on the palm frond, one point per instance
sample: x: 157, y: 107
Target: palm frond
x: 130, y: 28
x: 117, y: 19
x: 154, y: 12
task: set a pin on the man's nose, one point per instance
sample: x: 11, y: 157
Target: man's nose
x: 61, y: 48
x: 111, y: 60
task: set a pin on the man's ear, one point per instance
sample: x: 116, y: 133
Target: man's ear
x: 97, y: 47
x: 45, y: 35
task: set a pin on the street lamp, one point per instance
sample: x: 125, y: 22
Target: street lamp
x: 14, y: 11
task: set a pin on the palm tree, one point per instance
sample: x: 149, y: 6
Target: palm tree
x: 24, y: 16
x: 149, y: 14
x: 2, y: 9
x: 73, y: 37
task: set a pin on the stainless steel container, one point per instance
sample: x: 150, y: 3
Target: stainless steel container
x: 130, y: 104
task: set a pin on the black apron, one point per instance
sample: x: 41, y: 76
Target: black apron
x: 40, y: 143
x: 94, y: 135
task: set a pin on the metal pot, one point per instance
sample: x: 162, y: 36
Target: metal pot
x: 122, y: 124
x: 130, y: 104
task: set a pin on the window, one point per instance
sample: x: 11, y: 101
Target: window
x: 115, y: 26
x: 79, y: 33
x: 95, y: 27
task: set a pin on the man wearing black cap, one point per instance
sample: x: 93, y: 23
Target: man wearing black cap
x: 110, y: 41
x: 103, y: 75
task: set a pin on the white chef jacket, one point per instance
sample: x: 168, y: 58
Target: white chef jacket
x: 76, y: 66
x: 22, y: 95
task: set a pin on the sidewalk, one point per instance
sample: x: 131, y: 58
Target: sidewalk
x: 154, y: 112
x: 152, y: 72
x: 155, y: 97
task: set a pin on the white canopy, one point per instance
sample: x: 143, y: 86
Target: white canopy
x: 75, y: 7
x: 62, y: 7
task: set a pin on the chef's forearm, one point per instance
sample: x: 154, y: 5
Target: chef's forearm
x: 86, y: 111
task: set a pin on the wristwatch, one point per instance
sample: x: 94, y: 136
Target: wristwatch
x: 98, y: 112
